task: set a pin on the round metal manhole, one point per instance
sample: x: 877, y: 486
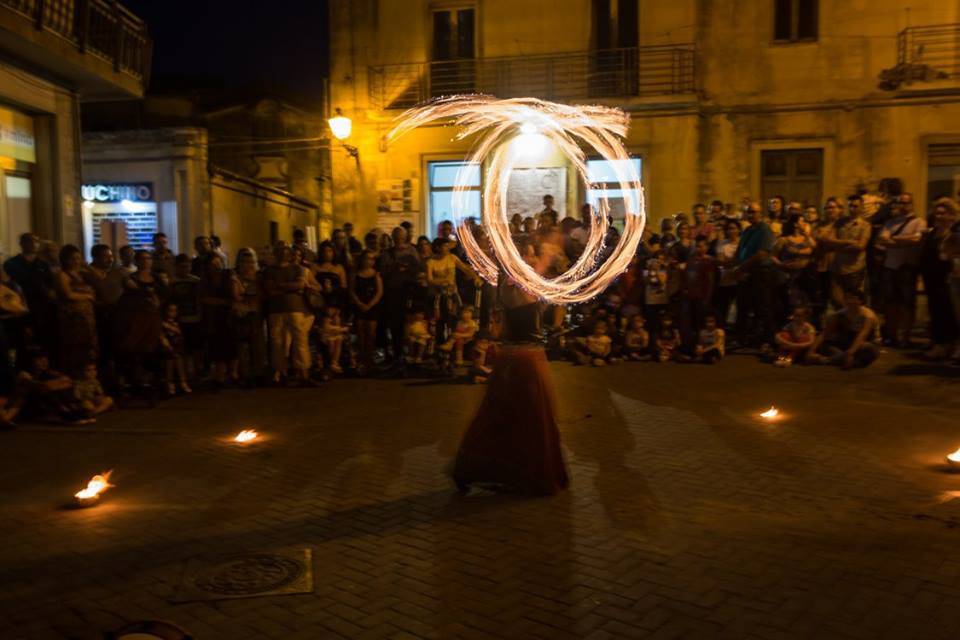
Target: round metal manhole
x: 248, y: 575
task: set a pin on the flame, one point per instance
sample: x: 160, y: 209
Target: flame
x: 246, y: 436
x: 97, y: 485
x: 770, y: 413
x: 954, y: 457
x: 568, y: 127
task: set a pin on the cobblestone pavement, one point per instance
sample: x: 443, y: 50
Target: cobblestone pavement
x: 687, y: 516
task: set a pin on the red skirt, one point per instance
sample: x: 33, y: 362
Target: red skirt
x: 514, y: 440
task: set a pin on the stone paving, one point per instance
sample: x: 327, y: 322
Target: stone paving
x: 687, y: 517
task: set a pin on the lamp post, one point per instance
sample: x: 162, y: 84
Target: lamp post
x: 340, y: 127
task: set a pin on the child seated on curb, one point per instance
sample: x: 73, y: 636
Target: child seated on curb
x: 483, y: 352
x: 89, y: 393
x: 463, y: 334
x: 48, y: 394
x: 636, y: 340
x: 599, y: 345
x: 668, y: 340
x: 419, y: 337
x: 796, y: 338
x: 710, y: 341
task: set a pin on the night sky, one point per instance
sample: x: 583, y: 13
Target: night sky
x: 277, y: 47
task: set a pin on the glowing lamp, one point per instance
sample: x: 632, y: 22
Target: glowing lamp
x: 340, y: 126
x: 90, y: 495
x: 247, y: 435
x: 954, y: 459
x: 770, y: 414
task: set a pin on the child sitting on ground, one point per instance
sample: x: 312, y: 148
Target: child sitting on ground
x: 47, y: 393
x: 463, y: 334
x: 89, y: 393
x: 598, y: 346
x: 668, y: 340
x: 796, y: 338
x: 332, y: 334
x: 419, y: 337
x: 175, y: 368
x: 483, y: 350
x: 636, y: 340
x: 710, y: 341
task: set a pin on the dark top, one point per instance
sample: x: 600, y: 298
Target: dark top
x: 34, y: 279
x: 366, y: 288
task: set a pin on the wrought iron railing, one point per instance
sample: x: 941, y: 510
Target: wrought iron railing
x: 612, y: 73
x: 103, y: 27
x: 934, y: 49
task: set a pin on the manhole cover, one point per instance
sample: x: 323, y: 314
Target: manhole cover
x: 247, y: 575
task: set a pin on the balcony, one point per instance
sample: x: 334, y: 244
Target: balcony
x: 924, y: 54
x: 97, y: 45
x: 562, y: 77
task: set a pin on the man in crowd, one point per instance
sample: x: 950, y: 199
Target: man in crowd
x: 756, y: 294
x: 847, y: 339
x: 289, y: 317
x: 849, y: 244
x: 217, y: 247
x: 398, y: 267
x: 900, y: 241
x: 300, y: 242
x: 353, y: 245
x: 33, y: 277
x: 163, y: 258
x: 202, y: 246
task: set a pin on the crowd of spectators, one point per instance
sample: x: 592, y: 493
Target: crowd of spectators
x: 790, y: 282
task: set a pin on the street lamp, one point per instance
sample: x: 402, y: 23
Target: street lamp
x: 340, y: 127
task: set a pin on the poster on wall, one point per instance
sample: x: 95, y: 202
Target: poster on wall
x: 528, y: 186
x: 395, y: 195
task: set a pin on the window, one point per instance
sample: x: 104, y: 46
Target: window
x: 453, y: 69
x: 603, y: 182
x: 795, y: 174
x: 795, y: 20
x: 441, y: 177
x: 943, y: 171
x: 615, y: 35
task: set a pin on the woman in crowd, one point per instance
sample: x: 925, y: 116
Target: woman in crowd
x: 248, y: 316
x: 217, y: 295
x: 139, y: 321
x: 78, y: 325
x: 793, y: 253
x: 366, y: 290
x: 935, y: 268
x: 726, y: 252
x: 331, y: 276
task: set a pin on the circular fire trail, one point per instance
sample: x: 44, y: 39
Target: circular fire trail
x: 499, y: 124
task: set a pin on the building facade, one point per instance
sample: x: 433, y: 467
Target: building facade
x: 249, y: 171
x: 728, y: 98
x: 55, y: 54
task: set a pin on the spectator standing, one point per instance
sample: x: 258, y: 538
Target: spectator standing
x: 900, y: 241
x: 399, y: 266
x: 217, y: 294
x: 353, y: 245
x: 332, y: 277
x: 935, y: 268
x: 75, y: 311
x: 849, y: 245
x: 341, y: 250
x: 726, y: 253
x: 202, y: 246
x: 756, y: 292
x: 699, y: 279
x: 366, y: 291
x: 139, y: 325
x: 248, y: 317
x: 163, y: 258
x: 702, y: 226
x: 35, y: 280
x: 289, y: 317
x: 216, y: 247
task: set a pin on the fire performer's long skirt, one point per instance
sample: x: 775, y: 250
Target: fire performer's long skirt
x: 513, y: 441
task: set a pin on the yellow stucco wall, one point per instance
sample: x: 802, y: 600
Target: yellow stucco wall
x: 752, y: 94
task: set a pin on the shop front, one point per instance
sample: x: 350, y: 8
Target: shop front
x: 118, y: 214
x: 18, y: 159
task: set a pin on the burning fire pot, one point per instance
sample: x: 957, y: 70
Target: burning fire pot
x: 90, y: 495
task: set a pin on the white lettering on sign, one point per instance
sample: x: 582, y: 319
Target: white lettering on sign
x: 141, y: 192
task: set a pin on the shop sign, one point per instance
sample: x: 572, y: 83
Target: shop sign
x: 118, y: 192
x: 16, y: 136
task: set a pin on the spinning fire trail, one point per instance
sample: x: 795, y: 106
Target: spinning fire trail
x: 503, y: 126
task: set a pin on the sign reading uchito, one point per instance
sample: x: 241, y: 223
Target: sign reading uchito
x: 128, y: 191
